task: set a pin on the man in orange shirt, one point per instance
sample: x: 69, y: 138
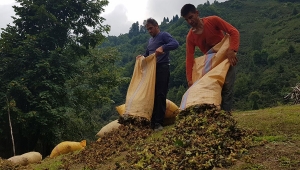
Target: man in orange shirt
x: 205, y: 33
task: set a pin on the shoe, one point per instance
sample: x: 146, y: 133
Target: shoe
x: 158, y: 127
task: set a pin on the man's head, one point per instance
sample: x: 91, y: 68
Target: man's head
x: 152, y: 27
x: 190, y: 14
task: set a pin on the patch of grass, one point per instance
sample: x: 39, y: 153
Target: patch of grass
x: 296, y: 137
x: 279, y: 138
x: 48, y: 163
x: 278, y: 121
x: 250, y: 167
x: 54, y: 163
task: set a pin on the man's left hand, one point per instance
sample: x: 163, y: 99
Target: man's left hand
x: 159, y: 51
x: 138, y: 56
x: 231, y: 55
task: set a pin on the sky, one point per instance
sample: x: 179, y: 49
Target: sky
x: 121, y: 14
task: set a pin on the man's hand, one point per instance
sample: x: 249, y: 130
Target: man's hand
x: 159, y: 51
x: 231, y: 55
x: 138, y: 56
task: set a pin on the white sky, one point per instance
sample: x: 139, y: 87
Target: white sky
x: 121, y: 14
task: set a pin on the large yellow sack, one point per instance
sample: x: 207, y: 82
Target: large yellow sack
x: 121, y: 109
x: 66, y: 147
x: 209, y: 72
x: 26, y: 158
x: 109, y: 127
x: 18, y: 159
x: 207, y: 62
x: 140, y: 93
x: 172, y: 109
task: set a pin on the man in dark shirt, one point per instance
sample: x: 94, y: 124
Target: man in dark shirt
x: 161, y: 43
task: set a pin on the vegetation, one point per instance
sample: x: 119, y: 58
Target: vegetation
x: 54, y: 84
x: 61, y: 78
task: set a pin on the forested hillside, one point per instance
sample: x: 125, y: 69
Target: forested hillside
x: 268, y: 56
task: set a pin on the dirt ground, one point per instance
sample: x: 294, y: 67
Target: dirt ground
x: 270, y: 156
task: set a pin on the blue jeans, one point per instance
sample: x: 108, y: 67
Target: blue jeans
x: 227, y: 90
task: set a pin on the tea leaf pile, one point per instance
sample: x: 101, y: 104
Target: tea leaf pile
x: 202, y: 138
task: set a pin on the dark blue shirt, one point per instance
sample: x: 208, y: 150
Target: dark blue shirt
x: 167, y: 42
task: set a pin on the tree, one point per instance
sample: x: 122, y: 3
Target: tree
x: 260, y: 58
x: 280, y: 69
x: 175, y: 18
x: 207, y: 3
x: 291, y: 50
x: 143, y: 29
x: 271, y: 59
x: 254, y: 97
x: 216, y: 2
x: 38, y: 55
x: 207, y: 10
x: 91, y: 92
x: 295, y: 11
x: 256, y: 41
x: 134, y: 29
x: 164, y: 20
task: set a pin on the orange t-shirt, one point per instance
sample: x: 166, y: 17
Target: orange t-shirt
x: 214, y: 29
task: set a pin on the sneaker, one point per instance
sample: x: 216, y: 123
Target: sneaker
x: 158, y: 127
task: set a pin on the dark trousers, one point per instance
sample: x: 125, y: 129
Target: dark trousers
x: 161, y: 90
x: 227, y: 90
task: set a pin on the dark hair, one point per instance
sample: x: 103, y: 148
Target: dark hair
x: 187, y: 8
x: 151, y: 21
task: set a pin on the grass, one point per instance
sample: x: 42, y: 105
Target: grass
x: 277, y: 121
x: 51, y: 164
x: 279, y: 128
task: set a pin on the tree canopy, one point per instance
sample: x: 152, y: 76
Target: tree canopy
x: 51, y: 75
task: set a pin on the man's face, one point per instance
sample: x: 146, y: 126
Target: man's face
x: 192, y: 18
x: 153, y: 30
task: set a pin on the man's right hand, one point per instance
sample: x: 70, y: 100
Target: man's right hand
x: 231, y: 55
x: 159, y: 51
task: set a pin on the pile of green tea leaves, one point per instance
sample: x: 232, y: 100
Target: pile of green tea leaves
x: 202, y: 138
x: 108, y: 147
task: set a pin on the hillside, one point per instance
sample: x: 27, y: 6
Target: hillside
x: 273, y: 145
x: 268, y: 54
